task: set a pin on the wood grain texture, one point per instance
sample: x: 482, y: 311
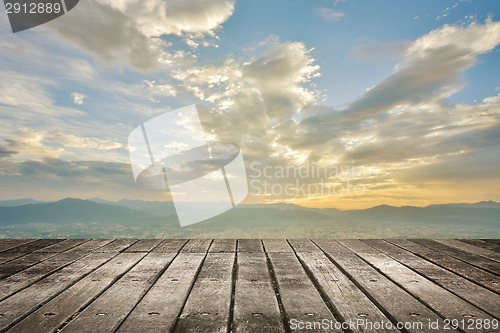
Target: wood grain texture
x: 445, y: 303
x: 250, y: 245
x: 159, y: 308
x: 24, y: 302
x: 396, y: 303
x: 467, y: 270
x: 246, y: 285
x: 256, y: 307
x: 466, y: 289
x: 470, y: 248
x: 223, y: 245
x: 63, y: 307
x: 476, y: 260
x: 170, y: 245
x: 345, y: 297
x: 208, y: 304
x: 111, y: 308
x: 277, y: 245
x: 301, y: 300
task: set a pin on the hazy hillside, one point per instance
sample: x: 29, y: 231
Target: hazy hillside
x: 134, y: 218
x: 71, y: 210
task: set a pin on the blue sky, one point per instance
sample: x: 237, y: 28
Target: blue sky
x: 407, y: 88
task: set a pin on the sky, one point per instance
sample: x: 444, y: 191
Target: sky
x: 333, y: 103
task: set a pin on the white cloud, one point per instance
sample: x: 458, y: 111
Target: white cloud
x: 157, y: 17
x: 432, y: 68
x: 329, y: 14
x: 78, y: 98
x: 128, y: 31
x: 26, y: 143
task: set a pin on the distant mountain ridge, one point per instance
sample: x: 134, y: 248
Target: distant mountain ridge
x: 97, y: 218
x: 70, y: 210
x: 136, y: 204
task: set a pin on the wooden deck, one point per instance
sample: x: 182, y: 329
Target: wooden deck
x: 249, y: 285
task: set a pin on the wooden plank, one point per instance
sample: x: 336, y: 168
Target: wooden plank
x: 21, y: 263
x: 250, y: 245
x: 301, y: 301
x: 144, y: 245
x: 208, y: 305
x: 493, y: 241
x: 223, y: 245
x: 473, y: 293
x: 117, y: 245
x: 63, y: 246
x: 349, y: 302
x: 21, y: 304
x: 477, y: 275
x: 110, y: 309
x: 60, y: 309
x: 470, y: 248
x: 482, y: 243
x: 396, y: 303
x: 159, y: 308
x: 197, y: 246
x: 33, y: 246
x: 91, y: 245
x: 6, y: 257
x: 170, y: 245
x: 256, y: 307
x: 473, y: 259
x: 276, y: 245
x: 36, y: 272
x: 8, y: 244
x: 303, y: 245
x: 445, y: 303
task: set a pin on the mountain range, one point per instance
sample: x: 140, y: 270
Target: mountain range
x: 97, y: 218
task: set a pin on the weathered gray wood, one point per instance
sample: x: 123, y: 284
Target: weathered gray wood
x: 91, y: 245
x: 223, y: 245
x: 197, y: 246
x: 482, y: 243
x: 397, y: 304
x: 256, y: 308
x: 9, y: 256
x: 117, y: 245
x: 349, y: 301
x: 276, y: 245
x: 470, y: 248
x: 75, y: 285
x: 14, y: 266
x: 479, y: 276
x: 207, y: 308
x: 170, y: 245
x: 33, y: 246
x: 303, y: 245
x: 7, y: 244
x: 468, y: 257
x: 60, y: 309
x: 250, y: 245
x: 62, y: 246
x: 301, y: 301
x: 473, y: 293
x: 493, y: 241
x: 55, y: 261
x: 19, y: 305
x: 144, y: 245
x: 110, y: 309
x: 159, y: 308
x: 36, y: 272
x: 441, y: 300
